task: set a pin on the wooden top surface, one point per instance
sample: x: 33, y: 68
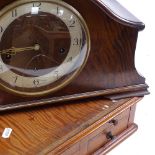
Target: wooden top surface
x: 36, y: 130
x: 119, y: 13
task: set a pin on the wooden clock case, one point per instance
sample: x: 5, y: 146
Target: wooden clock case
x: 110, y: 70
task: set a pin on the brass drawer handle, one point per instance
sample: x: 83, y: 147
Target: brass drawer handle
x: 110, y: 136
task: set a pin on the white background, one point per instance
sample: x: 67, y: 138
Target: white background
x: 142, y: 142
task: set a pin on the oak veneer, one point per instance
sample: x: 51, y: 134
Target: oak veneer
x: 73, y: 128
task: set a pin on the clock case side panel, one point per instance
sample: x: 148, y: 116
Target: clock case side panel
x: 110, y: 70
x: 111, y: 65
x: 116, y: 12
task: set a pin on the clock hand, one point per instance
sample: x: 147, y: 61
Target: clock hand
x: 13, y: 50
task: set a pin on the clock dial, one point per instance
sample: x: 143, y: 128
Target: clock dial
x: 43, y: 46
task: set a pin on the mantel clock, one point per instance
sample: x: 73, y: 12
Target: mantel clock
x: 60, y: 50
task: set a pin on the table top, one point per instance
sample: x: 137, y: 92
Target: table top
x: 44, y: 128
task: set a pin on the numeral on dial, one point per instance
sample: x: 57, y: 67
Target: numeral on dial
x: 1, y: 29
x: 77, y: 41
x: 35, y: 69
x: 70, y: 59
x: 72, y: 23
x: 37, y: 4
x: 1, y: 68
x: 36, y: 82
x: 14, y: 13
x: 15, y: 79
x: 56, y: 74
x: 57, y: 10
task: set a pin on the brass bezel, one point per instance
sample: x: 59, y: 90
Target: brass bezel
x: 76, y: 73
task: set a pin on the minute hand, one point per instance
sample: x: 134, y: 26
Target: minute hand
x: 13, y: 50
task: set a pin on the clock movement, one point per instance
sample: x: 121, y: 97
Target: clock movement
x: 60, y: 50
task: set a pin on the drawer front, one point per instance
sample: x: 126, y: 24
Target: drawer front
x: 108, y: 131
x: 99, y: 137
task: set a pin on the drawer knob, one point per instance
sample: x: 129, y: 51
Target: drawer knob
x: 114, y: 122
x: 110, y: 136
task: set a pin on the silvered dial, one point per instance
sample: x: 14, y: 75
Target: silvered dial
x: 43, y: 46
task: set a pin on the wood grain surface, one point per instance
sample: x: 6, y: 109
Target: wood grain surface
x: 117, y: 12
x: 124, y: 135
x: 41, y: 130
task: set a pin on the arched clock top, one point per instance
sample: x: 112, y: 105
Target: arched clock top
x: 120, y: 14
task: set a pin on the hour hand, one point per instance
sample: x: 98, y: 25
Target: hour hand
x: 14, y: 51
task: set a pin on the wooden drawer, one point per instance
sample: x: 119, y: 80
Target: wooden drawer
x: 99, y: 137
x: 108, y: 131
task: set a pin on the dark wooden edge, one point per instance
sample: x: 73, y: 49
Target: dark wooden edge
x: 118, y: 96
x: 132, y: 115
x: 120, y: 14
x: 118, y: 93
x: 120, y: 138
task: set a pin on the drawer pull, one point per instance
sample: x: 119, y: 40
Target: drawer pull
x: 110, y: 136
x: 114, y: 122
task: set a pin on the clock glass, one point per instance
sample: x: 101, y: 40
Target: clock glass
x: 43, y: 46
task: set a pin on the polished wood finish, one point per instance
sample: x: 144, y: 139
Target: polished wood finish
x: 110, y: 70
x: 74, y: 128
x: 117, y: 12
x: 128, y: 132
